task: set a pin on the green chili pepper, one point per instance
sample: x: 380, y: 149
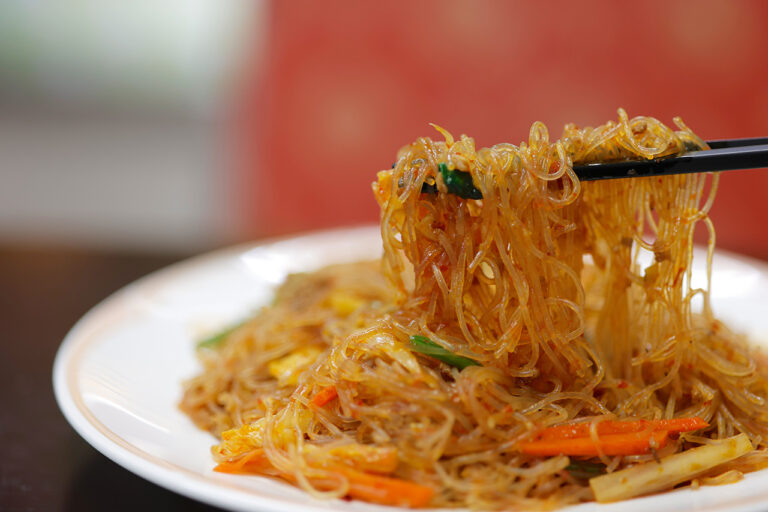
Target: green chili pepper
x: 424, y: 345
x: 459, y: 182
x: 215, y: 340
x: 584, y: 469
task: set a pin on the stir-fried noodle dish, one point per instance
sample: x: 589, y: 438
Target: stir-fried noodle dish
x: 526, y: 341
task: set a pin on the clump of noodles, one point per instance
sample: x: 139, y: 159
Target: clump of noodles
x: 308, y: 312
x: 669, y: 360
x: 500, y: 280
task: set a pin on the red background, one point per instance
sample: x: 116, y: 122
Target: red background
x: 348, y: 83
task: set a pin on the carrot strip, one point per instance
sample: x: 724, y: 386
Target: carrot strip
x: 385, y: 490
x: 622, y: 427
x: 632, y: 443
x: 324, y: 396
x: 363, y: 486
x: 253, y: 462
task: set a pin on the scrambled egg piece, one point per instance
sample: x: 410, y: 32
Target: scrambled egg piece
x: 287, y: 369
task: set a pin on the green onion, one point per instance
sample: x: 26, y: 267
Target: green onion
x: 459, y: 182
x: 585, y: 470
x: 215, y: 340
x: 424, y: 345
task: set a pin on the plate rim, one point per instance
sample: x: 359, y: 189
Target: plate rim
x: 196, y: 485
x: 120, y: 451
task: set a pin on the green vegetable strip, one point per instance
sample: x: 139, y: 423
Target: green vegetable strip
x: 215, y: 340
x: 459, y: 183
x: 584, y: 469
x: 424, y: 345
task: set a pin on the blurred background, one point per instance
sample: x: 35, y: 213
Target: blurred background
x: 183, y: 125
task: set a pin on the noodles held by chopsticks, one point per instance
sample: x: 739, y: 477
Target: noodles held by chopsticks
x: 521, y: 306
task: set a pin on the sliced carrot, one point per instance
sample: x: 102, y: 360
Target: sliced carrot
x: 622, y: 427
x: 614, y: 437
x: 363, y: 486
x: 252, y: 462
x: 385, y: 490
x: 632, y: 443
x: 324, y: 396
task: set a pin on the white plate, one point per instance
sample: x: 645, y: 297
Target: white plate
x: 118, y: 373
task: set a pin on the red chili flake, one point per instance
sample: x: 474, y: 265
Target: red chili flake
x: 622, y: 384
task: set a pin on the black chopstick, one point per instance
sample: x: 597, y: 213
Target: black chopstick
x: 737, y: 143
x: 726, y: 155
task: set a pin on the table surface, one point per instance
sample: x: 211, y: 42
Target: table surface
x: 45, y: 464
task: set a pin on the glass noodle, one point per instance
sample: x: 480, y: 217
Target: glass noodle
x: 540, y: 282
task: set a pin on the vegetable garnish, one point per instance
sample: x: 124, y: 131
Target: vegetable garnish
x: 676, y: 425
x: 215, y: 340
x: 364, y: 486
x: 633, y: 443
x: 253, y: 462
x: 585, y: 469
x: 614, y: 437
x: 459, y: 182
x: 669, y: 471
x: 385, y: 490
x: 324, y: 396
x: 424, y: 345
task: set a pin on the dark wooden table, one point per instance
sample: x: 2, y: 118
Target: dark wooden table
x: 44, y: 464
